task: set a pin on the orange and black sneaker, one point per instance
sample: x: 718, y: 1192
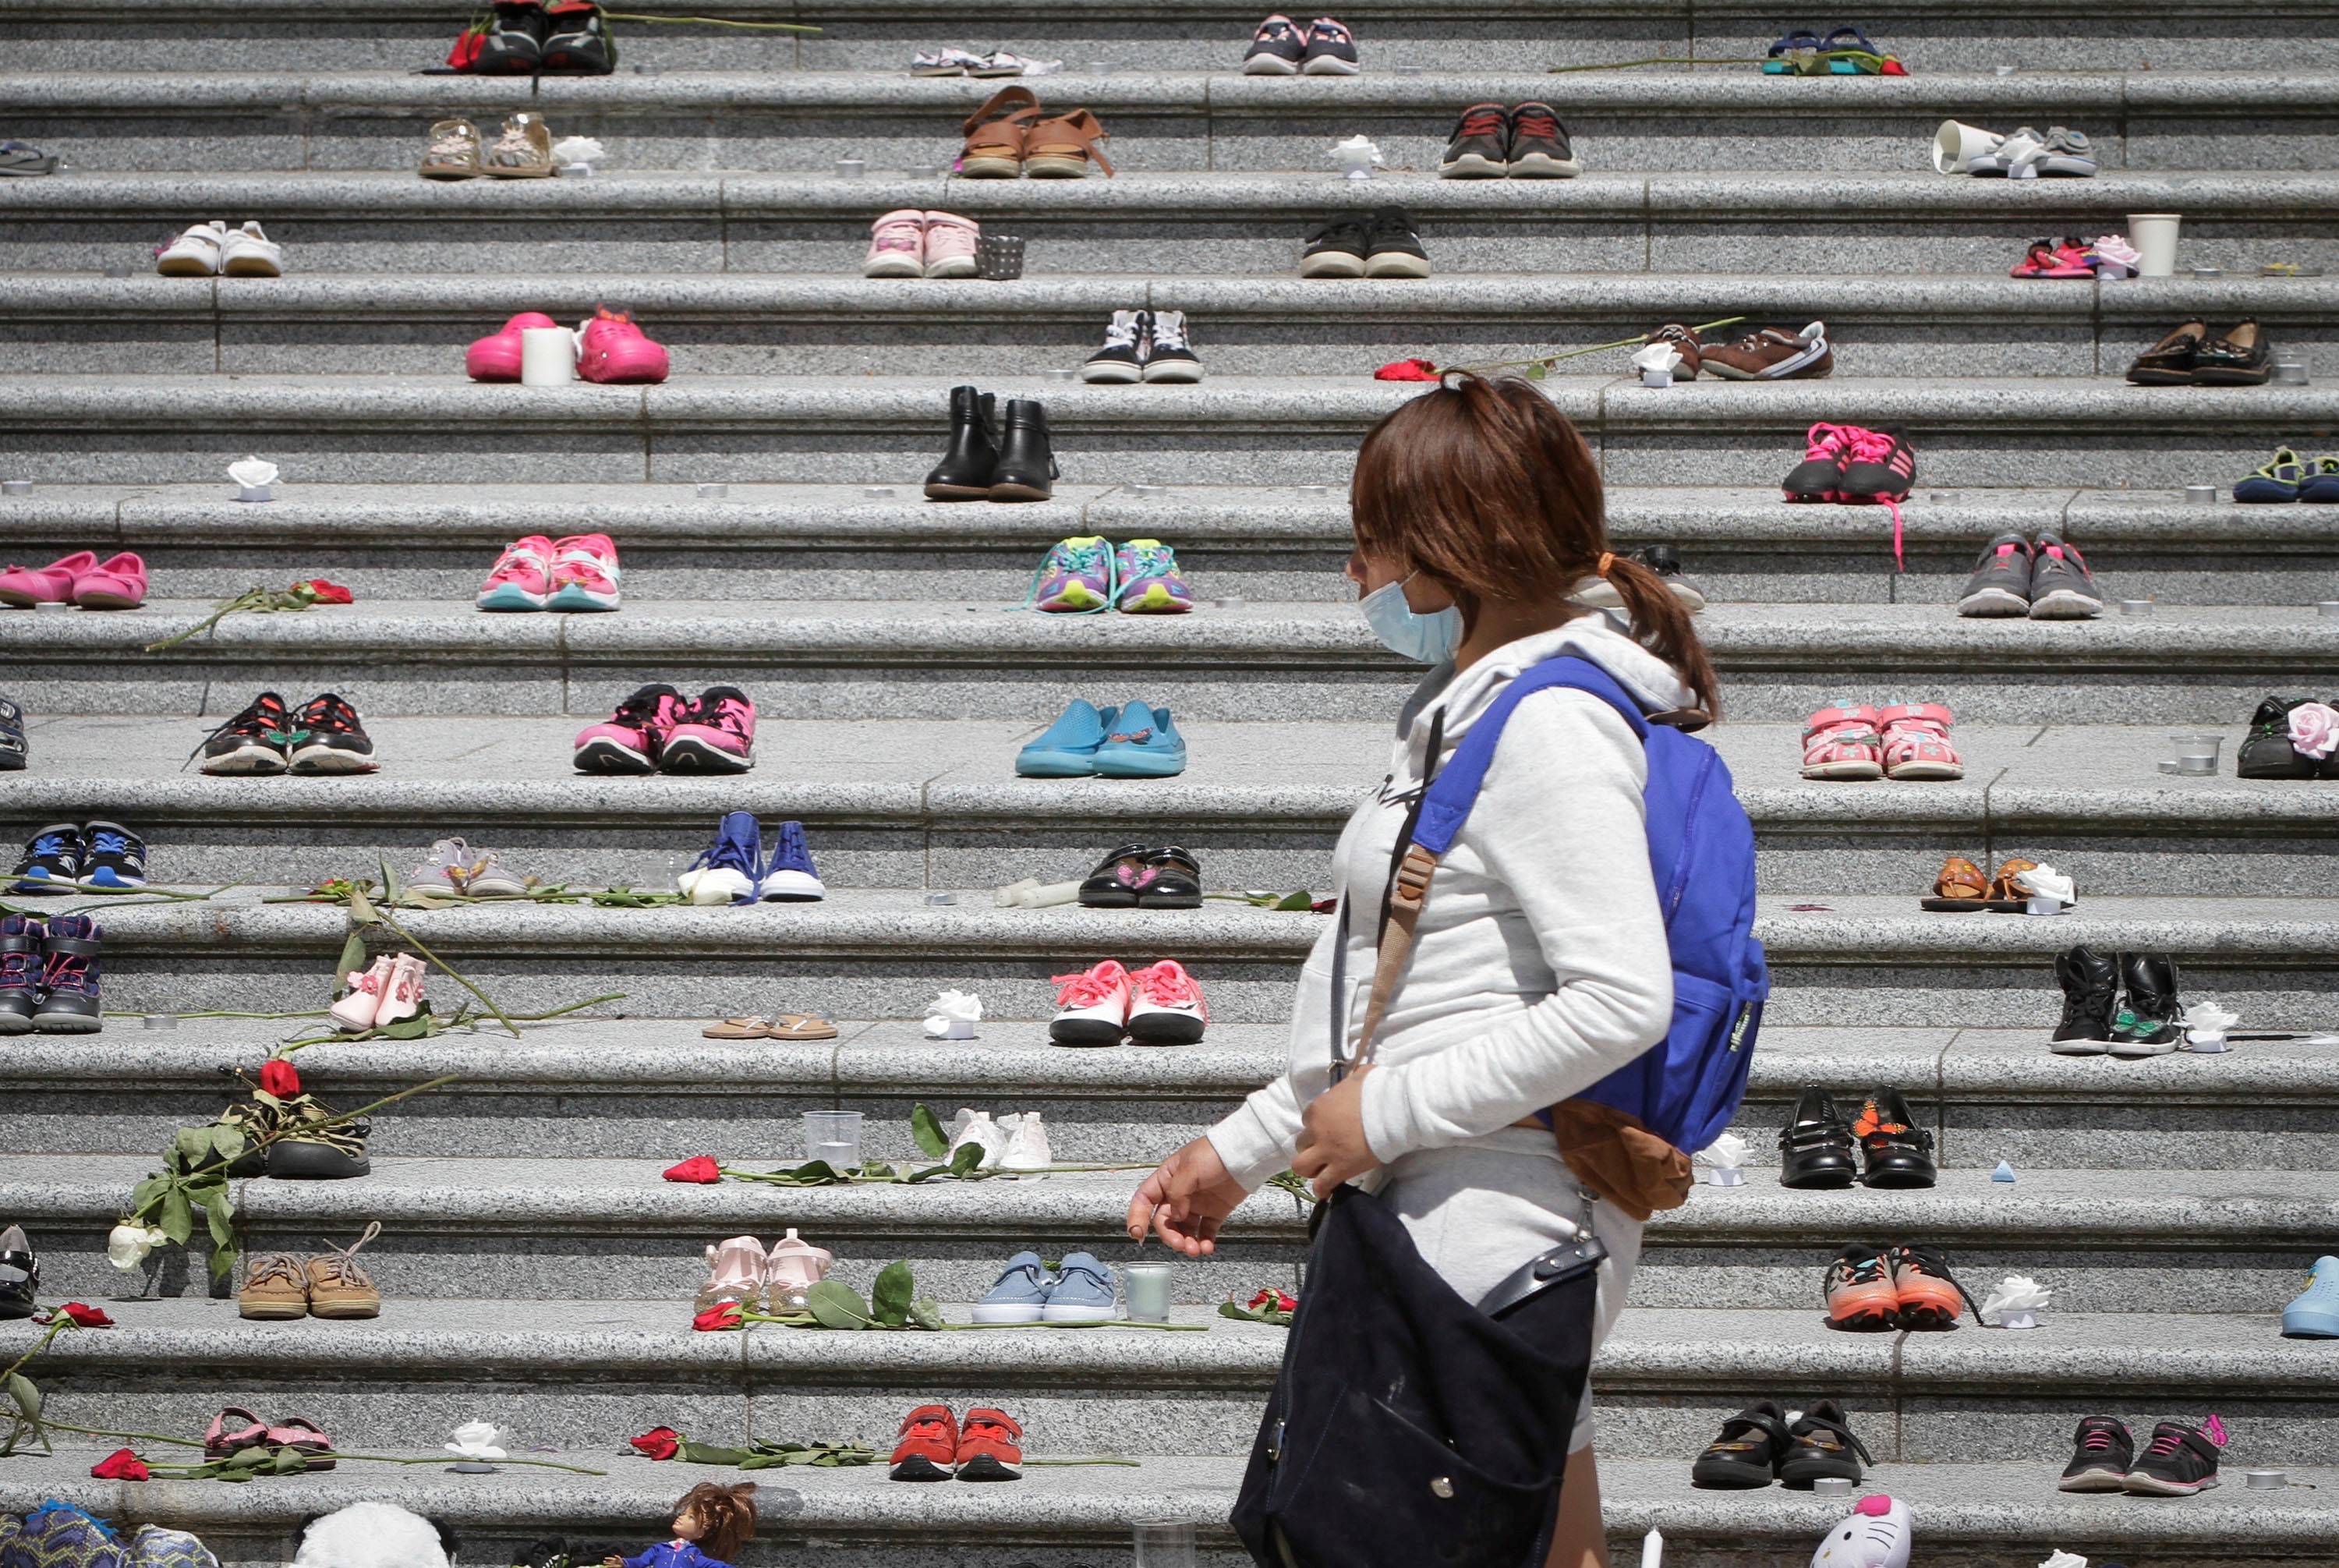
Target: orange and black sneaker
x: 1929, y: 1297
x: 928, y: 1448
x: 1898, y: 1153
x: 1859, y: 1291
x: 990, y: 1446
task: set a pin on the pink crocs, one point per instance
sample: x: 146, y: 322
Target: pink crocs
x: 950, y: 245
x: 612, y: 349
x: 116, y: 584
x: 497, y: 358
x: 24, y: 587
x: 1917, y: 743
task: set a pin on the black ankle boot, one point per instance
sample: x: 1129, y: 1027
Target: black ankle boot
x: 1815, y: 1148
x: 1899, y: 1153
x: 2150, y: 1023
x: 965, y: 473
x: 2090, y: 983
x: 1026, y: 466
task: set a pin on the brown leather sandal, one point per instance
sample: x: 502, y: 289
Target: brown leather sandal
x: 2005, y: 898
x: 1961, y: 888
x: 995, y: 134
x: 1059, y: 146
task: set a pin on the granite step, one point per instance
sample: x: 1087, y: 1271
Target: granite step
x: 1167, y: 121
x: 1225, y: 222
x: 841, y: 542
x: 841, y: 324
x: 2193, y: 665
x: 917, y: 804
x: 635, y: 1088
x: 572, y: 1375
x: 1988, y: 1515
x: 2147, y: 1241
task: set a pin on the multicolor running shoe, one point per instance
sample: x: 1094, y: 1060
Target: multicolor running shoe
x: 1076, y: 577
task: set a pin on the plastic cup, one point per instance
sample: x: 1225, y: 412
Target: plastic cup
x: 1145, y: 1287
x: 2197, y: 754
x: 833, y: 1135
x: 1164, y: 1542
x: 548, y: 356
x: 2154, y: 235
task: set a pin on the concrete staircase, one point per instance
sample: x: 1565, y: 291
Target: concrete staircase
x: 537, y: 1270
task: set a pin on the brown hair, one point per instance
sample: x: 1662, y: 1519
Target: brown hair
x: 728, y: 1512
x: 1489, y: 491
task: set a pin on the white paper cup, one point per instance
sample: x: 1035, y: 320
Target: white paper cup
x: 2154, y: 235
x: 548, y: 356
x: 1956, y: 146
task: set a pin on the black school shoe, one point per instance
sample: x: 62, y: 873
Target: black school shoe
x: 13, y: 750
x: 1135, y: 876
x: 1822, y: 1445
x: 1815, y: 1149
x: 2266, y: 751
x: 1747, y: 1453
x: 327, y: 738
x: 2238, y: 358
x: 20, y: 1274
x: 2173, y: 361
x: 1392, y: 249
x: 1898, y: 1152
x: 1114, y: 883
x: 2178, y: 1461
x: 252, y: 742
x: 2102, y: 1450
x: 1335, y: 248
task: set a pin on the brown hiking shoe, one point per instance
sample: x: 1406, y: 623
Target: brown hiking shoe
x: 1771, y: 355
x: 338, y: 1287
x: 1684, y: 342
x: 274, y: 1287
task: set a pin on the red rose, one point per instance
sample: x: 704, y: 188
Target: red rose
x: 658, y: 1443
x: 120, y: 1465
x: 279, y: 1079
x: 1276, y: 1300
x: 87, y: 1315
x: 1407, y: 370
x: 327, y: 593
x: 722, y: 1314
x: 700, y: 1168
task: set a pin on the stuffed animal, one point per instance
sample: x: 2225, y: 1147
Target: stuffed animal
x: 710, y: 1522
x: 1875, y: 1536
x: 375, y: 1535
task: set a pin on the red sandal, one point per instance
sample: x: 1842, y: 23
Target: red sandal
x: 1917, y: 743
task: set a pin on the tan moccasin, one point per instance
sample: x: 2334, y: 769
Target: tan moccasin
x: 338, y: 1287
x: 274, y: 1287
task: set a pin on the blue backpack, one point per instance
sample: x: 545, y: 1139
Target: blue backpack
x: 1686, y: 1087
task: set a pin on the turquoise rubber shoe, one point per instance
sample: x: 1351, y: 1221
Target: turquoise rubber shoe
x: 2313, y: 1313
x: 1143, y: 744
x: 1067, y: 748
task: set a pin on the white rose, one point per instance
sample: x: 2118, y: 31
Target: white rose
x: 126, y: 1246
x: 478, y: 1440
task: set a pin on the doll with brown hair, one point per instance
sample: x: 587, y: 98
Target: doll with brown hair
x: 710, y: 1523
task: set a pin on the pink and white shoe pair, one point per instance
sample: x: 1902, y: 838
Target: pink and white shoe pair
x: 609, y: 348
x: 1907, y: 741
x: 389, y: 993
x: 740, y: 1271
x: 1158, y: 1005
x: 659, y: 730
x: 117, y: 583
x: 578, y: 572
x: 908, y: 243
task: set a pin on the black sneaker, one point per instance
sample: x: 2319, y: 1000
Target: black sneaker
x: 577, y: 41
x: 1480, y: 147
x: 51, y: 862
x: 1816, y: 1149
x: 1331, y: 49
x: 11, y: 737
x: 327, y: 738
x: 514, y: 45
x: 318, y: 1153
x: 1276, y: 49
x: 252, y: 742
x: 1539, y: 148
x: 2102, y: 1449
x: 1747, y: 1452
x: 2062, y: 586
x: 113, y: 859
x: 2000, y: 584
x: 20, y: 1274
x: 2151, y: 1018
x: 1820, y: 1445
x: 2266, y: 751
x: 1392, y: 249
x: 1335, y: 248
x: 1121, y: 362
x: 1169, y: 357
x: 2090, y: 986
x: 1898, y: 1152
x: 2178, y: 1461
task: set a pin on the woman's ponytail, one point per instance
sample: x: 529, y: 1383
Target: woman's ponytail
x: 1661, y: 625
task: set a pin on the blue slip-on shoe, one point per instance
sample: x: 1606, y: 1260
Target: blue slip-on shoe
x: 2313, y: 1312
x: 1067, y: 748
x: 2321, y: 485
x: 2279, y: 480
x: 730, y: 869
x: 788, y: 875
x: 1083, y: 1293
x: 1021, y: 1294
x: 1142, y: 743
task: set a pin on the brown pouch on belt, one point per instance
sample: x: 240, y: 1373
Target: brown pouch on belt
x: 1612, y: 1153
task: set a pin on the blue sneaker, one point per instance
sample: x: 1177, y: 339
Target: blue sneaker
x: 112, y: 858
x: 1020, y: 1294
x: 788, y: 875
x: 730, y: 869
x: 1083, y: 1293
x: 1067, y: 748
x: 52, y: 861
x: 1143, y: 745
x: 2313, y: 1313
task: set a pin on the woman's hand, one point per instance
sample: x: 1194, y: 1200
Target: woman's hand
x: 1187, y: 1198
x: 1332, y: 1147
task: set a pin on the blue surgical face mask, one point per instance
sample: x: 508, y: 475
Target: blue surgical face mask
x: 1404, y: 631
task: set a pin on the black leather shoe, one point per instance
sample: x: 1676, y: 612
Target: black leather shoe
x: 965, y: 473
x: 1027, y: 468
x: 20, y: 1274
x: 2266, y: 751
x: 1747, y: 1453
x: 2151, y: 1020
x: 1815, y: 1149
x: 1176, y: 881
x: 2090, y: 985
x: 1821, y: 1445
x: 1899, y: 1153
x: 1114, y: 883
x: 2240, y: 357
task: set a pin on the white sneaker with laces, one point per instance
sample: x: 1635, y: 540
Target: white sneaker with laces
x: 195, y: 253
x: 1092, y: 1007
x: 1027, y: 1145
x: 976, y: 1127
x: 246, y: 252
x: 1166, y: 1006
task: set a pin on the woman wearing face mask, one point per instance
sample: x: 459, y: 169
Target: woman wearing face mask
x: 1540, y: 964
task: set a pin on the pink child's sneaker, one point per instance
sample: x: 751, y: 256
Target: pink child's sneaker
x: 583, y: 573
x: 497, y: 358
x: 24, y: 587
x: 950, y: 245
x: 522, y: 579
x: 897, y: 246
x: 612, y: 349
x: 115, y: 583
x: 632, y: 739
x: 718, y: 735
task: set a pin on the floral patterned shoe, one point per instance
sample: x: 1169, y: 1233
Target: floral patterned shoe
x: 1842, y: 743
x: 1917, y: 743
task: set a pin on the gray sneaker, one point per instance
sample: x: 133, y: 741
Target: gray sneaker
x: 2062, y: 586
x: 2000, y: 584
